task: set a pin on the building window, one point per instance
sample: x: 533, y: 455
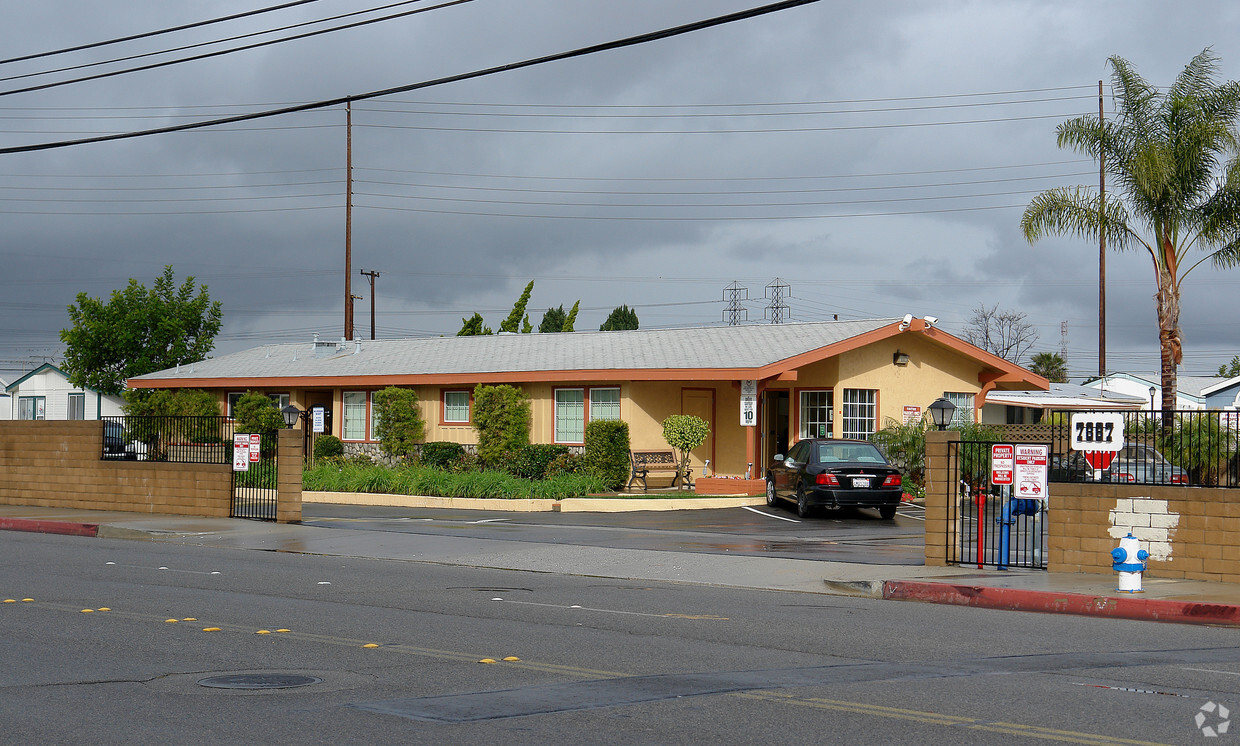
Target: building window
x: 31, y: 408
x: 860, y: 412
x: 570, y: 415
x: 816, y: 414
x: 77, y: 407
x: 456, y: 407
x: 280, y: 400
x: 964, y: 407
x: 232, y: 402
x: 374, y: 417
x: 354, y: 415
x: 604, y: 404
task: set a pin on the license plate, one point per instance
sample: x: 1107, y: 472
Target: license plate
x: 861, y: 482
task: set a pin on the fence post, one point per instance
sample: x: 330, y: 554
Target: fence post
x: 289, y: 465
x: 942, y: 528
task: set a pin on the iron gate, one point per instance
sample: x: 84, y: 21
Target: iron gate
x: 986, y: 525
x: 255, y: 490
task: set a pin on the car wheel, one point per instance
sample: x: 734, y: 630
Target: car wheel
x: 771, y: 500
x: 887, y: 512
x: 803, y: 508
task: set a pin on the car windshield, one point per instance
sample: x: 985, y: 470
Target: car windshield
x: 849, y: 453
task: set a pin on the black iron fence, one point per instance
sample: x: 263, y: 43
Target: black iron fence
x: 986, y: 525
x: 1186, y: 447
x: 186, y: 440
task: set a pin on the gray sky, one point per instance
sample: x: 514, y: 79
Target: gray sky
x: 875, y: 156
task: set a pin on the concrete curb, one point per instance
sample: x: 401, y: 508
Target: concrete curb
x: 856, y: 588
x: 1015, y: 599
x: 66, y: 528
x: 567, y: 505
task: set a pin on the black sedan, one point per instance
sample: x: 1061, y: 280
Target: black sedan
x: 824, y: 472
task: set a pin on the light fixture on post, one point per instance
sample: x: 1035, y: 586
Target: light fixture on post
x: 899, y: 358
x: 1152, y: 392
x: 291, y: 414
x: 941, y: 412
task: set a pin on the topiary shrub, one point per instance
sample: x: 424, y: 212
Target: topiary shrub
x: 441, y: 454
x: 684, y: 432
x: 398, y: 421
x: 530, y: 462
x: 328, y: 446
x: 607, y: 452
x: 502, y: 419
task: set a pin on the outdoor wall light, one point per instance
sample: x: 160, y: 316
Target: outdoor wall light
x: 291, y: 414
x: 941, y: 412
x: 899, y: 358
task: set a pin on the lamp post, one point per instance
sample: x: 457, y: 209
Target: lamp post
x: 941, y: 412
x: 1152, y: 392
x: 291, y: 414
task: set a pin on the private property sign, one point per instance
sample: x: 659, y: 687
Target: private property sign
x: 1002, y: 462
x: 1030, y: 471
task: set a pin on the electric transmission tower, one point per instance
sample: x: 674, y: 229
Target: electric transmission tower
x: 777, y: 310
x: 736, y: 312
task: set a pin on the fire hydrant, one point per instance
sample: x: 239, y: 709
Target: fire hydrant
x: 1129, y: 562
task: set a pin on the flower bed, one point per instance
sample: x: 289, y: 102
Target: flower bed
x: 728, y: 486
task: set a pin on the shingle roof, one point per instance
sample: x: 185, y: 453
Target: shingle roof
x: 728, y: 347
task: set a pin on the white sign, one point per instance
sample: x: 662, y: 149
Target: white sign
x: 749, y: 403
x: 1030, y: 471
x: 241, y: 452
x: 318, y: 420
x: 1097, y: 431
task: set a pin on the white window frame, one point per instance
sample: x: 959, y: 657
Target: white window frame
x: 280, y: 400
x: 964, y: 413
x: 80, y: 398
x: 35, y: 406
x: 859, y: 407
x: 804, y: 425
x: 445, y: 407
x: 345, y: 405
x: 556, y: 405
x: 596, y: 409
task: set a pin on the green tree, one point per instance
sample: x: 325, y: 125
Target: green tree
x: 526, y: 326
x: 1051, y: 366
x: 606, y: 452
x: 684, y: 432
x: 398, y: 421
x: 620, y: 319
x: 473, y: 326
x: 513, y: 322
x: 1232, y: 369
x: 571, y: 318
x: 502, y: 418
x: 171, y: 403
x: 258, y: 413
x: 552, y: 321
x: 138, y: 331
x: 1171, y: 156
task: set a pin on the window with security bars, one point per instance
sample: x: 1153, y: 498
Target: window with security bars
x: 604, y: 404
x: 456, y: 406
x: 859, y: 413
x: 570, y: 415
x: 964, y: 407
x: 354, y: 415
x: 815, y: 414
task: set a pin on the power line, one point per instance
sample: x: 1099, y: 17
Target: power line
x: 579, y: 52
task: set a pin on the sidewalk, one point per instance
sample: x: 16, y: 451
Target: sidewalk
x: 1184, y: 601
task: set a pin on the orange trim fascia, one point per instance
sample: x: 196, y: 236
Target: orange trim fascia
x: 774, y: 370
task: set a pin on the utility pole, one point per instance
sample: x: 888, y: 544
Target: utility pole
x: 1102, y: 250
x: 372, y: 275
x: 348, y: 220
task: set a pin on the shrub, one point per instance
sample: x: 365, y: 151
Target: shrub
x: 421, y: 480
x: 258, y: 413
x: 567, y: 463
x: 607, y: 452
x: 502, y: 419
x: 398, y: 421
x: 328, y: 446
x: 441, y: 454
x: 530, y: 462
x: 684, y: 432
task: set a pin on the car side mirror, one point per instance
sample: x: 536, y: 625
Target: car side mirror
x: 790, y: 464
x: 779, y: 457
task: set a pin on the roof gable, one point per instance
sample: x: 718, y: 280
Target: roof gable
x: 45, y: 367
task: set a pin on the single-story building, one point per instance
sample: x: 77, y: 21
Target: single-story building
x: 1190, y: 390
x: 835, y: 378
x: 46, y: 394
x: 1029, y: 407
x: 6, y: 401
x: 1223, y: 394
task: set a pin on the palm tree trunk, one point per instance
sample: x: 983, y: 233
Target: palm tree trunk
x: 1171, y: 349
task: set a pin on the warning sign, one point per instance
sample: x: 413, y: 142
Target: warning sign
x: 241, y: 452
x: 1030, y: 471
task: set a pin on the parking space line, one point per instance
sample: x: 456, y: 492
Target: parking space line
x: 768, y: 515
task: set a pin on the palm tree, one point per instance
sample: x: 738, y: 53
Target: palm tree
x: 1172, y: 156
x: 1051, y: 366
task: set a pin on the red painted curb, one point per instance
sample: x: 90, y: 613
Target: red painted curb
x: 1015, y: 599
x: 49, y: 527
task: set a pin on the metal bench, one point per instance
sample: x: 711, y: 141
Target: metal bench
x: 644, y: 462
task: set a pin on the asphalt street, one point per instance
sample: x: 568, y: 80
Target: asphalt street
x: 114, y: 641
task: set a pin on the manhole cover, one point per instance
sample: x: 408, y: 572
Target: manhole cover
x: 258, y: 681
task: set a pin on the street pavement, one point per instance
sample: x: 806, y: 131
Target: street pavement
x: 1183, y: 601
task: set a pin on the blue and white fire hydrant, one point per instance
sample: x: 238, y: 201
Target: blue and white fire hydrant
x: 1129, y: 562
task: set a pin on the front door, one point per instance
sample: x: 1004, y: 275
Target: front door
x: 701, y: 403
x: 775, y: 426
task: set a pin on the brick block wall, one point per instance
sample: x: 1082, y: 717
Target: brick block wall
x: 58, y: 465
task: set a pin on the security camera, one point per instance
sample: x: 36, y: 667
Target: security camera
x: 930, y: 321
x: 908, y: 319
